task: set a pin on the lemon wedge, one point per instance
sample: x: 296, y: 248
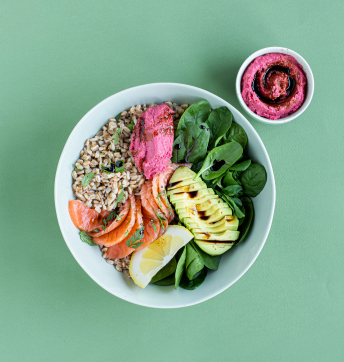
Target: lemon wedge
x: 145, y: 263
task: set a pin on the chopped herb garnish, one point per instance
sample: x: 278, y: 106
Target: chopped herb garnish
x: 87, y: 179
x: 116, y: 136
x: 120, y: 198
x: 134, y: 241
x: 117, y: 150
x: 131, y: 126
x: 111, y: 216
x: 154, y: 227
x: 95, y: 231
x: 78, y: 169
x: 86, y: 238
x: 119, y: 166
x: 104, y: 228
x: 118, y: 116
x: 121, y: 187
x: 127, y: 232
x: 161, y: 219
x: 105, y: 169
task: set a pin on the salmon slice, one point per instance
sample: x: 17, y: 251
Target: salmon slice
x: 136, y: 235
x: 147, y: 210
x: 117, y: 235
x: 85, y: 218
x: 116, y: 222
x: 152, y: 231
x: 159, y: 196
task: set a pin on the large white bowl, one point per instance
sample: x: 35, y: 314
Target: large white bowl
x: 233, y: 264
x: 309, y: 90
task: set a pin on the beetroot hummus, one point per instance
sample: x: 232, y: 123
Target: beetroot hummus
x: 274, y: 85
x: 152, y: 140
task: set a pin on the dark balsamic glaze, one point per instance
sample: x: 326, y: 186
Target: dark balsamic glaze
x: 217, y: 165
x: 268, y: 72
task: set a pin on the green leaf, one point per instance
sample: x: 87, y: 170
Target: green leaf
x: 249, y: 214
x: 226, y: 155
x: 95, y: 231
x: 219, y: 122
x: 78, y: 169
x: 118, y: 116
x: 197, y: 113
x: 197, y: 166
x: 166, y: 282
x: 191, y: 145
x: 194, y: 263
x: 87, y: 179
x: 241, y: 166
x: 232, y: 190
x: 120, y: 169
x: 185, y: 283
x: 86, y: 238
x: 235, y: 133
x: 131, y: 126
x: 180, y: 268
x: 134, y: 241
x: 253, y: 179
x: 105, y: 169
x: 116, y: 135
x: 161, y: 220
x: 167, y: 270
x: 211, y: 262
x: 120, y: 198
x: 228, y: 179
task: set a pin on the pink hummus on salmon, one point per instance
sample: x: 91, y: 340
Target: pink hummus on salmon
x: 274, y: 85
x: 152, y: 140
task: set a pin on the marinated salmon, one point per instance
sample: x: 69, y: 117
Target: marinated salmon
x: 117, y: 235
x: 127, y: 245
x: 158, y: 198
x: 85, y: 218
x: 115, y: 222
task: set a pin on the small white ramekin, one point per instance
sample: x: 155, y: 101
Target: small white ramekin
x: 309, y: 89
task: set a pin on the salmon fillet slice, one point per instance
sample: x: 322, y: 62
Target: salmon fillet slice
x: 116, y: 222
x: 117, y: 235
x: 123, y: 249
x: 85, y: 218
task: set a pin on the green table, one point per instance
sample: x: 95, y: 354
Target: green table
x: 60, y: 58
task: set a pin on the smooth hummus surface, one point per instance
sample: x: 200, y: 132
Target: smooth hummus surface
x: 274, y: 85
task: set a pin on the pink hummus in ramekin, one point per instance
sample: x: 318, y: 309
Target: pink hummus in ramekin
x: 274, y: 85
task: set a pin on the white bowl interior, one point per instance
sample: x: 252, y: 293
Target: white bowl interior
x: 309, y: 89
x: 233, y: 264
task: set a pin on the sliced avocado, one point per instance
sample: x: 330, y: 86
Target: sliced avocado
x: 189, y: 203
x: 185, y: 182
x: 188, y: 188
x: 226, y: 223
x: 182, y: 173
x: 213, y: 248
x: 228, y: 235
x: 193, y: 195
x: 219, y: 214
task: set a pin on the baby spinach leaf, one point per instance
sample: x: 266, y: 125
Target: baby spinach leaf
x: 180, y: 268
x: 211, y: 262
x: 228, y: 153
x: 236, y: 175
x: 86, y: 238
x: 210, y: 184
x: 191, y: 144
x: 219, y: 122
x: 179, y: 150
x: 253, y: 179
x: 196, y: 166
x: 234, y: 204
x: 232, y: 190
x: 197, y: 113
x: 246, y: 224
x: 193, y: 264
x: 167, y: 270
x: 228, y: 179
x: 241, y: 166
x: 87, y: 179
x: 166, y: 281
x: 185, y: 283
x: 235, y: 133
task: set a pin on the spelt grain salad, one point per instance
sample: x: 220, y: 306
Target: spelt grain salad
x: 164, y: 190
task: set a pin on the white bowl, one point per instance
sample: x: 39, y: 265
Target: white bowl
x: 309, y: 89
x: 233, y: 264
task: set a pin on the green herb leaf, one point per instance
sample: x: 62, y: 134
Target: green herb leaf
x: 161, y: 220
x: 87, y: 179
x: 104, y: 169
x: 95, y: 231
x: 116, y: 135
x: 153, y: 224
x: 219, y: 122
x: 134, y: 241
x: 131, y: 126
x: 120, y: 169
x: 185, y: 283
x: 241, y: 166
x: 111, y: 216
x: 246, y: 224
x: 117, y: 150
x: 121, y: 187
x: 86, y: 238
x: 78, y: 169
x: 120, y: 198
x: 118, y: 116
x: 197, y: 113
x: 103, y: 227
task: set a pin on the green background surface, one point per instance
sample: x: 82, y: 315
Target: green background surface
x: 60, y: 58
